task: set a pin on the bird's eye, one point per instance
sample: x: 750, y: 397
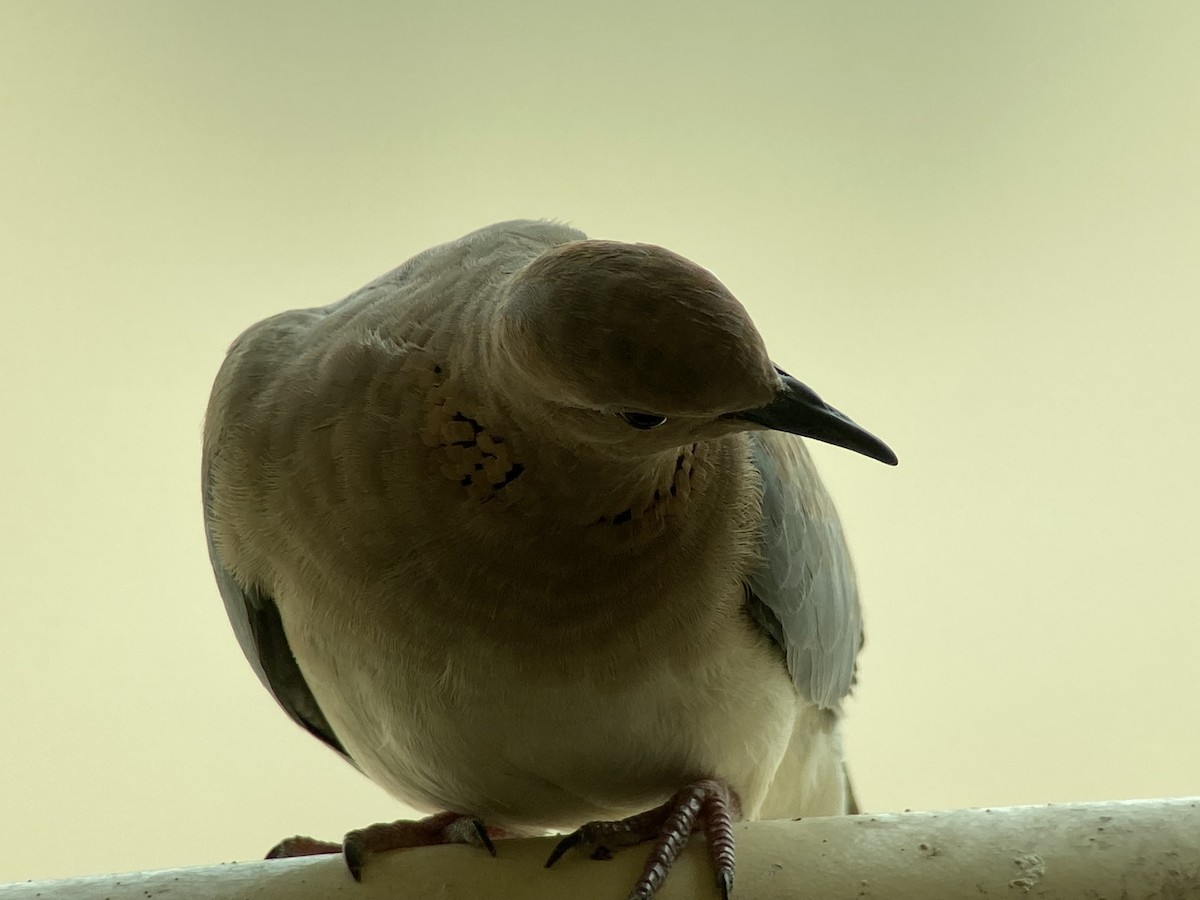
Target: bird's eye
x: 643, y: 421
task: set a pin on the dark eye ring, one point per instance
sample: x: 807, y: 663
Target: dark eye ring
x: 643, y: 421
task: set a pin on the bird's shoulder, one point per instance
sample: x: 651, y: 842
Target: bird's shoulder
x: 426, y: 305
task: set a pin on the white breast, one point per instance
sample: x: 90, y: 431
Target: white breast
x: 484, y: 735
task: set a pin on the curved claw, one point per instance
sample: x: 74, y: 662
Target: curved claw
x: 354, y: 852
x: 574, y: 839
x: 725, y: 882
x: 484, y: 839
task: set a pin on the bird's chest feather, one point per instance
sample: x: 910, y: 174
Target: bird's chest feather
x: 497, y: 732
x: 485, y: 646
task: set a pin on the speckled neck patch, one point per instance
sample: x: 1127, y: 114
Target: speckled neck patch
x: 466, y: 450
x: 676, y: 485
x: 474, y: 457
x: 482, y: 462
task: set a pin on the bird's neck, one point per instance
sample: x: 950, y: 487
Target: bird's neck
x: 584, y: 552
x: 630, y: 500
x: 549, y: 529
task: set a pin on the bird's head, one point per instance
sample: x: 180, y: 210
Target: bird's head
x: 633, y: 346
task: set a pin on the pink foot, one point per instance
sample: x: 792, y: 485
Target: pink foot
x: 359, y: 845
x: 709, y: 805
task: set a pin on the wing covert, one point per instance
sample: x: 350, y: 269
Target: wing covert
x: 259, y: 629
x: 803, y: 593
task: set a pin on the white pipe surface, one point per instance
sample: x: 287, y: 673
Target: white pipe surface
x: 1128, y: 849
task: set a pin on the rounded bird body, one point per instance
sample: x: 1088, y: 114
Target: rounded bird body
x: 453, y: 552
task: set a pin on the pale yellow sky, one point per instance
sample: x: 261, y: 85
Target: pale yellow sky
x: 973, y: 226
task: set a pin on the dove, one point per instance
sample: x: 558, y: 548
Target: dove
x: 527, y: 532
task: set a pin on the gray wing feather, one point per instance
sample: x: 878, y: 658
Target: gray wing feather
x: 803, y: 593
x: 259, y: 629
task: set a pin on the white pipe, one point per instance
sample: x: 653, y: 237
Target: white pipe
x: 1131, y: 849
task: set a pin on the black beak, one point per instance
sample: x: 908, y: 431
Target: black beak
x: 797, y: 409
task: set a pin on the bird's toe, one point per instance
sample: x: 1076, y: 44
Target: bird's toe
x: 708, y: 805
x: 443, y: 828
x: 299, y: 845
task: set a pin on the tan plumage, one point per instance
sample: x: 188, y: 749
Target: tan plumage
x: 449, y: 556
